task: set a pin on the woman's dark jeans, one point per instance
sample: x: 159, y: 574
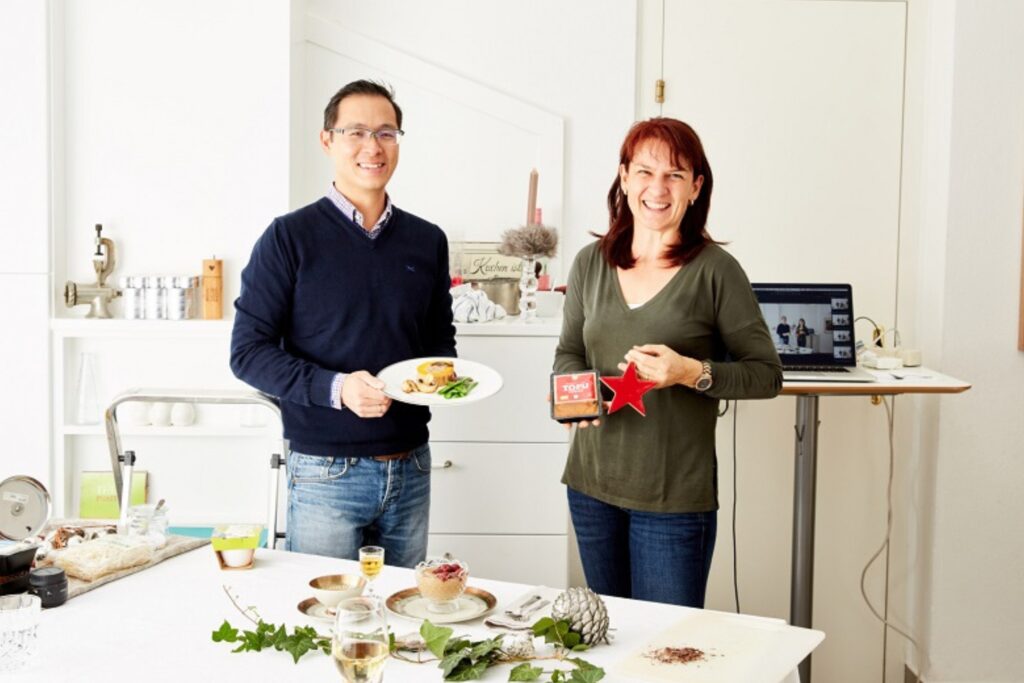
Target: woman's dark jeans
x: 661, y: 557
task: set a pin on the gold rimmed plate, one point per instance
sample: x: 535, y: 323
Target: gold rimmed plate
x: 472, y: 604
x: 315, y: 609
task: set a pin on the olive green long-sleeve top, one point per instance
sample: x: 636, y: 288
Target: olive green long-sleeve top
x: 666, y: 461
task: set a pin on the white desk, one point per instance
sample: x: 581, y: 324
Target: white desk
x: 889, y: 383
x: 156, y: 625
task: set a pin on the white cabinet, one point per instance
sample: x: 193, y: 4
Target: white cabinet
x: 497, y: 500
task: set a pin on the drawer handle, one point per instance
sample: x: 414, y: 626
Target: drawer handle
x: 443, y: 466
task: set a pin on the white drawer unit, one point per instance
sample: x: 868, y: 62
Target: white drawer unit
x: 497, y: 500
x: 501, y: 488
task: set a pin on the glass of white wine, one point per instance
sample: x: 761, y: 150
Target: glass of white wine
x: 360, y: 643
x: 371, y: 561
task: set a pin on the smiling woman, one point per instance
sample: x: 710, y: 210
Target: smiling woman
x: 656, y: 291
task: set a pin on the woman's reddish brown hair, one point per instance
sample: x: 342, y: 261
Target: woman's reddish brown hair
x: 686, y: 149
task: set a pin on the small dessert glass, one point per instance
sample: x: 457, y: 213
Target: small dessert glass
x: 371, y: 561
x: 442, y: 582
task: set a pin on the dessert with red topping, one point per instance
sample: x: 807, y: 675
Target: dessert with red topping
x: 442, y: 581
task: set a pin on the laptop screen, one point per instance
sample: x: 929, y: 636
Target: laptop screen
x: 811, y: 324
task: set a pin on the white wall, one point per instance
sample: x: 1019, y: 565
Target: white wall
x: 25, y: 236
x: 176, y: 126
x: 965, y: 202
x: 574, y: 59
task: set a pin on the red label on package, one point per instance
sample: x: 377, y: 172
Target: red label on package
x: 570, y: 388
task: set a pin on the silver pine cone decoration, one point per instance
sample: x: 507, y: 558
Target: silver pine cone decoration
x: 585, y: 612
x: 518, y: 645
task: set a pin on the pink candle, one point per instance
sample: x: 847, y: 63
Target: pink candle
x: 531, y: 204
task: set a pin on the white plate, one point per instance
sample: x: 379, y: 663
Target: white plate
x: 488, y: 382
x: 472, y: 604
x: 315, y: 609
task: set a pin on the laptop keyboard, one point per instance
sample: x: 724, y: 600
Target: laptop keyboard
x: 815, y: 368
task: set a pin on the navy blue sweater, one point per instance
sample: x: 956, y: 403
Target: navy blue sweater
x: 320, y: 297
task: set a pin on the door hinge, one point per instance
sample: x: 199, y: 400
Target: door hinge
x: 659, y: 91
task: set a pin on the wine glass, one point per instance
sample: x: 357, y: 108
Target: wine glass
x: 360, y: 643
x: 371, y: 561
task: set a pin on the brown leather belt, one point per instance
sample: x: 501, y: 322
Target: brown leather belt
x: 402, y: 455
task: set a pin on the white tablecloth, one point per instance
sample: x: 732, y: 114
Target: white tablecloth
x: 156, y: 626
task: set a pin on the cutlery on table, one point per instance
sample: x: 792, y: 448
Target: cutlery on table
x: 519, y: 611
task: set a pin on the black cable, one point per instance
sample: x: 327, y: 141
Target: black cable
x: 735, y: 563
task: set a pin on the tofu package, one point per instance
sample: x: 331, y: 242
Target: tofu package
x: 576, y: 396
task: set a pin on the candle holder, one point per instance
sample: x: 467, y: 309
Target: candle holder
x: 528, y: 290
x: 529, y: 242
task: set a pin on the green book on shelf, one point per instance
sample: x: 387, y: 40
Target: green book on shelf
x: 98, y: 498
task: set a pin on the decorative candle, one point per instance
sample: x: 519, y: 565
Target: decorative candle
x: 531, y: 204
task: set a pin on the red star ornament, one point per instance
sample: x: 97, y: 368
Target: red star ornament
x: 629, y: 390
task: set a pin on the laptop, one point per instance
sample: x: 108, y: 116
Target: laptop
x: 812, y: 326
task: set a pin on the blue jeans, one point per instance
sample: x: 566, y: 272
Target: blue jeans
x: 661, y: 557
x: 337, y: 504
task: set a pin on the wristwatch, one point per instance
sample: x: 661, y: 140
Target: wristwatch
x: 705, y: 380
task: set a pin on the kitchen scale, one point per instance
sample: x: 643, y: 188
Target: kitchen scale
x: 24, y: 511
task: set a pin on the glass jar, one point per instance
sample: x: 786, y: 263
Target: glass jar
x: 19, y: 624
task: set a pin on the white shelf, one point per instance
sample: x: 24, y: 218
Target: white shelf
x: 145, y: 329
x: 194, y: 430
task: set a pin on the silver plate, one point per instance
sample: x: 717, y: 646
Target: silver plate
x: 24, y: 507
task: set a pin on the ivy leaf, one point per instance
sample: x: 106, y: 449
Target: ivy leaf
x: 485, y: 648
x: 391, y: 642
x: 557, y: 676
x: 580, y: 648
x: 225, y: 634
x: 469, y: 673
x: 542, y: 625
x: 591, y: 675
x: 451, y: 661
x: 435, y: 637
x: 571, y: 639
x: 525, y: 672
x: 298, y: 647
x: 456, y: 645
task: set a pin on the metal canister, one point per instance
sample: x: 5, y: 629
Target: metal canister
x: 154, y: 295
x: 131, y: 298
x: 179, y: 298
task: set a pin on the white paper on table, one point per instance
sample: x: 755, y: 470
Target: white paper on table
x: 737, y: 648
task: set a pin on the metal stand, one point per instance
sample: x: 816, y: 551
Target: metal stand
x: 804, y: 490
x: 122, y: 464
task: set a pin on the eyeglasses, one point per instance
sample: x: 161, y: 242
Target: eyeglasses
x: 356, y: 136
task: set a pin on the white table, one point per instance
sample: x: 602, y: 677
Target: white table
x: 155, y: 626
x: 888, y: 383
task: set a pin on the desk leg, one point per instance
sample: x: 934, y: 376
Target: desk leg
x: 802, y: 578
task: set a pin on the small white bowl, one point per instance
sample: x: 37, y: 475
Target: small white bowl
x: 332, y: 589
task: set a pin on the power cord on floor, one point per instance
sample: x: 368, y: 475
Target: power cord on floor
x: 889, y: 409
x: 735, y: 561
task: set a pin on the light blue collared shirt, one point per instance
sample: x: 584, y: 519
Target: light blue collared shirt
x: 349, y: 210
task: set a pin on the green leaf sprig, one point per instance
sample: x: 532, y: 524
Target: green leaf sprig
x: 303, y: 639
x: 464, y: 660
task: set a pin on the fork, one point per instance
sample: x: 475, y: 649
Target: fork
x: 520, y: 612
x: 533, y: 608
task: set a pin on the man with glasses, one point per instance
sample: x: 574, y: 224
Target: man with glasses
x: 333, y: 293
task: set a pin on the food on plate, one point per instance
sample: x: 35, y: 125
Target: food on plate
x: 438, y: 376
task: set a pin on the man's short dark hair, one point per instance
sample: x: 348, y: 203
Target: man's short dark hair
x: 361, y: 87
